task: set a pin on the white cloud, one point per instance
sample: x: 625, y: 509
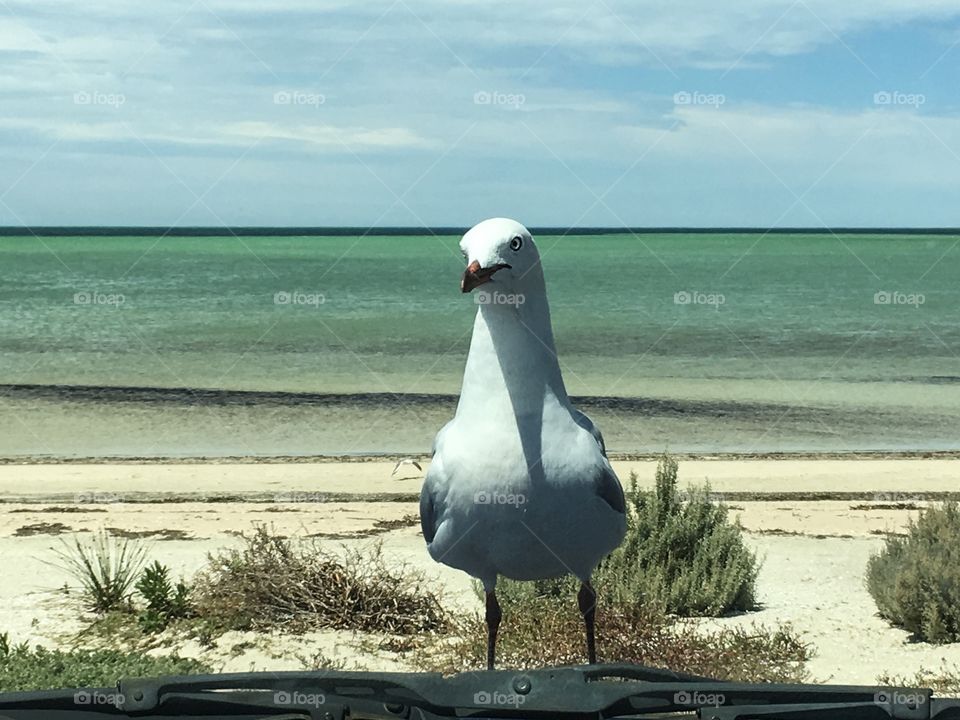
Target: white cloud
x: 329, y: 137
x: 399, y: 79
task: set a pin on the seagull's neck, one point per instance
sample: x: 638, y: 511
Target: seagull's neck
x: 512, y: 364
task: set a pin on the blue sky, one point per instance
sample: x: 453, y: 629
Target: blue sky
x: 767, y: 113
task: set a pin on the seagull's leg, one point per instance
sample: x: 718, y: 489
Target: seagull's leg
x: 587, y: 600
x: 493, y: 623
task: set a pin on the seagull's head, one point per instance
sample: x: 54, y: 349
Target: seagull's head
x: 499, y: 251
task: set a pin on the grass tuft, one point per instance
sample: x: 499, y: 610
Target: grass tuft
x: 105, y: 567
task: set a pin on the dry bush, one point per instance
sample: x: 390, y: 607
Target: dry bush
x: 543, y: 631
x: 273, y: 582
x: 945, y: 681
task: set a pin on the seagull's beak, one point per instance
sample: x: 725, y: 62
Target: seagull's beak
x: 475, y: 275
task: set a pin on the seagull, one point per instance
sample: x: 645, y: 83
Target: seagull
x: 519, y: 484
x: 405, y: 461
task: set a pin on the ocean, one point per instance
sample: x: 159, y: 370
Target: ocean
x: 345, y: 344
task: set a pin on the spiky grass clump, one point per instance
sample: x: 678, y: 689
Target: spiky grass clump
x: 106, y: 568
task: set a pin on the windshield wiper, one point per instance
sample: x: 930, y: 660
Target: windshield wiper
x: 601, y: 692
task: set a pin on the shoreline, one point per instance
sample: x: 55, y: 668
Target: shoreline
x: 786, y: 456
x: 374, y: 479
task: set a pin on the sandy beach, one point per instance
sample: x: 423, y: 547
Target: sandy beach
x: 814, y: 522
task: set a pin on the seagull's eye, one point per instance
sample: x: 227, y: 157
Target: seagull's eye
x: 516, y: 243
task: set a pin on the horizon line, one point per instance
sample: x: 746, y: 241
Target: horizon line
x: 391, y: 230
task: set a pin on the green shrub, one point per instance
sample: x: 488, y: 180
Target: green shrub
x: 106, y: 568
x: 681, y: 554
x: 165, y: 602
x: 23, y: 669
x: 273, y: 583
x: 915, y: 579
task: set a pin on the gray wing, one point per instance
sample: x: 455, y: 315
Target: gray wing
x: 587, y: 424
x: 428, y: 511
x: 609, y: 489
x: 607, y: 484
x: 430, y: 498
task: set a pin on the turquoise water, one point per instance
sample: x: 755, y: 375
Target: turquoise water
x: 786, y: 322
